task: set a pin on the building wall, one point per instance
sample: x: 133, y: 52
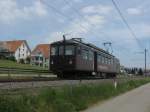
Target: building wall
x: 39, y: 60
x: 22, y: 52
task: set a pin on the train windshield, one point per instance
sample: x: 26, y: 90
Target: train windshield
x: 69, y: 50
x: 59, y: 50
x: 54, y: 50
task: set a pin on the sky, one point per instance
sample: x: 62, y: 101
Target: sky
x: 96, y: 21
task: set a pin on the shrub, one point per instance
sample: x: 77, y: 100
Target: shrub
x: 28, y: 60
x: 21, y: 61
x: 11, y: 58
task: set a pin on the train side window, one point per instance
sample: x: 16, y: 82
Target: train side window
x: 54, y: 50
x: 103, y: 59
x: 85, y: 54
x: 106, y: 60
x: 91, y: 55
x: 79, y: 50
x: 69, y: 50
x: 99, y: 58
x: 112, y: 61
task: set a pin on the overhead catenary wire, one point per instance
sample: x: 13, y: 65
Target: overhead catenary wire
x: 83, y: 28
x: 60, y: 13
x: 64, y: 15
x: 85, y: 19
x: 126, y: 23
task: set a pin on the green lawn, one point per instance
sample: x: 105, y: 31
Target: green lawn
x: 12, y: 64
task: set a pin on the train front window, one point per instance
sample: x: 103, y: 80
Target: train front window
x: 61, y: 50
x: 69, y: 50
x: 54, y: 50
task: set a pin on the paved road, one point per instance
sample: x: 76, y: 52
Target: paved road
x: 137, y: 100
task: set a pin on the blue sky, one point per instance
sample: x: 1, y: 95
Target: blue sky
x: 95, y: 21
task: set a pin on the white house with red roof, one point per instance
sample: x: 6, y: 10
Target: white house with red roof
x: 17, y: 48
x: 40, y: 55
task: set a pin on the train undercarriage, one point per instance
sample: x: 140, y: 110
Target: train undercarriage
x: 85, y: 74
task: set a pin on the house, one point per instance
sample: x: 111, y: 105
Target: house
x: 3, y: 50
x: 17, y: 48
x: 40, y: 55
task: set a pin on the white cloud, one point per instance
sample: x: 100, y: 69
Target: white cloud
x: 55, y: 36
x: 78, y: 1
x: 134, y: 11
x: 79, y: 27
x: 11, y: 12
x: 86, y: 24
x: 100, y: 9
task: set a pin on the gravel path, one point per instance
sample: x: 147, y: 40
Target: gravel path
x: 58, y: 83
x: 137, y: 100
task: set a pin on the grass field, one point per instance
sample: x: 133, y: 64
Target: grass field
x: 12, y: 64
x: 63, y: 99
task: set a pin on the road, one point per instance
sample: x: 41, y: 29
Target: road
x: 137, y: 100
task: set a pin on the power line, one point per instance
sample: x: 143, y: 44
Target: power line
x: 62, y: 14
x: 78, y: 13
x: 81, y: 16
x: 126, y: 23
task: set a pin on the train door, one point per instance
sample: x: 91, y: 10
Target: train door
x: 95, y: 62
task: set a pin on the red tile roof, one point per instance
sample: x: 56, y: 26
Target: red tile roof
x: 43, y: 48
x: 12, y: 46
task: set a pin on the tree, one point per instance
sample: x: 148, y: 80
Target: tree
x: 140, y: 72
x: 28, y: 60
x: 21, y: 61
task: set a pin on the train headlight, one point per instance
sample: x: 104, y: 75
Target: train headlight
x: 52, y: 62
x: 70, y: 62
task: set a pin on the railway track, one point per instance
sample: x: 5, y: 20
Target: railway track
x: 56, y: 82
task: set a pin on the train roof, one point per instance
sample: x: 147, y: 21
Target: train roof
x: 74, y: 41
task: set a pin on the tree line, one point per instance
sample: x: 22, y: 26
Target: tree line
x: 134, y: 71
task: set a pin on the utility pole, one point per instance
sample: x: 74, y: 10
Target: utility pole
x: 145, y: 51
x: 145, y: 59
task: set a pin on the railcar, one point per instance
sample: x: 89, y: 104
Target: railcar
x: 74, y: 58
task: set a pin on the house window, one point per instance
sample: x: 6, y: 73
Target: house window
x: 36, y: 58
x: 41, y: 58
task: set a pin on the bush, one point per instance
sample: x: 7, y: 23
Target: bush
x: 21, y: 61
x: 11, y: 58
x: 28, y: 60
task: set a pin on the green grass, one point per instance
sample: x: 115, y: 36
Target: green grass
x: 12, y: 64
x: 63, y: 99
